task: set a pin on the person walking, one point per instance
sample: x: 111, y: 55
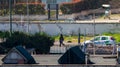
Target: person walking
x: 61, y: 39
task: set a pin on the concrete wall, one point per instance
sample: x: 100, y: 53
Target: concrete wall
x: 67, y: 28
x: 66, y: 65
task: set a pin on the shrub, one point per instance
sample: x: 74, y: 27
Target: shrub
x: 41, y: 42
x: 17, y: 38
x: 22, y: 9
x: 33, y: 9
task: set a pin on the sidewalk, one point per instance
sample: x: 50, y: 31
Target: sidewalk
x: 56, y: 49
x: 66, y: 44
x: 99, y: 50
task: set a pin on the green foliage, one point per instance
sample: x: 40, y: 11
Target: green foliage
x: 3, y: 12
x: 40, y: 41
x: 4, y: 34
x: 115, y: 35
x: 33, y: 9
x: 66, y: 8
x: 17, y: 38
x: 22, y: 9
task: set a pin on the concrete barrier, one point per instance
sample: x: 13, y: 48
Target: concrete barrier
x: 67, y: 28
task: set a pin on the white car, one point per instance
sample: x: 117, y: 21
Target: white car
x: 101, y: 40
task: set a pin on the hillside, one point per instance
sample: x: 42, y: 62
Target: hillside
x: 83, y: 5
x: 115, y: 3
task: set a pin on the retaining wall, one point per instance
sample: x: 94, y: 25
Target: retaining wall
x: 65, y: 28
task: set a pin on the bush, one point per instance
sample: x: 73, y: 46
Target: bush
x: 33, y: 9
x: 40, y: 42
x: 17, y: 38
x: 22, y: 9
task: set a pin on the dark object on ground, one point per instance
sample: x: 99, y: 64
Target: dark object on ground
x: 110, y: 57
x: 73, y: 56
x: 18, y: 55
x: 69, y: 41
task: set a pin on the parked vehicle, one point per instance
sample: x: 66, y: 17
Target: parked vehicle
x: 101, y: 40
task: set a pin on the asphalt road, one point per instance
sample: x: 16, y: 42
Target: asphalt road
x: 52, y: 59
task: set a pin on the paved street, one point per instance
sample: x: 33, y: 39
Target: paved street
x: 52, y: 59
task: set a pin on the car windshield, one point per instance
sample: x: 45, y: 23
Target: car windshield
x: 104, y: 38
x: 95, y: 39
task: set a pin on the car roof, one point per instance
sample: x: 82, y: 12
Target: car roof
x: 103, y: 36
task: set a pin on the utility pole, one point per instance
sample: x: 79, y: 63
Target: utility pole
x: 10, y: 16
x: 79, y: 37
x: 28, y: 18
x: 94, y: 32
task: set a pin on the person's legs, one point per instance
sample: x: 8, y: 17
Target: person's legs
x: 63, y: 44
x: 60, y: 44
